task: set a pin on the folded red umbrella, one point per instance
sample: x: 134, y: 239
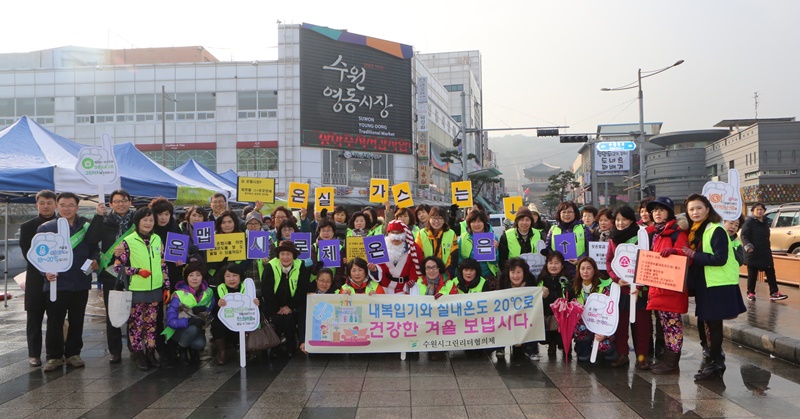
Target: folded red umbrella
x: 568, y: 313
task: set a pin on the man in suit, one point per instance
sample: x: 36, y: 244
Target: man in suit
x: 35, y: 297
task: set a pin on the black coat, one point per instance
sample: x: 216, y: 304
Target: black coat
x: 34, y: 281
x: 756, y: 233
x: 105, y: 231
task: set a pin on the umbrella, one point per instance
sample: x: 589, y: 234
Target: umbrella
x: 568, y: 313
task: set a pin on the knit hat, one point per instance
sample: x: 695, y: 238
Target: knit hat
x: 397, y: 225
x: 254, y: 215
x: 523, y: 212
x: 287, y: 246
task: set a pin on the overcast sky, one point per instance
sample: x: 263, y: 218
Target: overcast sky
x: 544, y: 62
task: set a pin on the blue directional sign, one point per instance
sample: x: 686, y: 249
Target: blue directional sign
x: 616, y: 146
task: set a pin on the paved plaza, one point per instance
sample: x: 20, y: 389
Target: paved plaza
x: 383, y: 386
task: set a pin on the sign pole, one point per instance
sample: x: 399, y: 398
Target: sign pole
x: 242, y: 350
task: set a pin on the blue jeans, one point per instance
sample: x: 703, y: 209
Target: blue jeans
x: 191, y: 337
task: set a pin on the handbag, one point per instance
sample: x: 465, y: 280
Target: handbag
x: 550, y: 323
x: 119, y: 301
x: 262, y: 338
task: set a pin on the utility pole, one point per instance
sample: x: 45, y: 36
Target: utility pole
x: 464, y: 175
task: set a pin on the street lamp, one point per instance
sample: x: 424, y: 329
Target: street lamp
x: 164, y: 125
x: 641, y: 140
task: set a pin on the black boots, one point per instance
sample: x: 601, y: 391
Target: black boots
x: 151, y: 358
x: 668, y: 364
x: 221, y: 345
x: 141, y: 360
x: 713, y: 369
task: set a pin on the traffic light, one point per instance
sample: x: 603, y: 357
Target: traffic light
x: 574, y: 138
x: 549, y: 132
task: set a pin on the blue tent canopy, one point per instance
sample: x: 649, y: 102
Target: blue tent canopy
x: 194, y: 170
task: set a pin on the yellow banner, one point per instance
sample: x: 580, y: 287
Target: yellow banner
x: 510, y: 205
x: 378, y: 190
x: 355, y: 248
x: 402, y: 195
x: 323, y: 197
x: 462, y: 193
x: 346, y: 323
x: 298, y: 195
x: 231, y: 245
x: 252, y: 189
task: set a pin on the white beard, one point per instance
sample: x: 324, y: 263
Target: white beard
x: 395, y: 251
x: 397, y: 259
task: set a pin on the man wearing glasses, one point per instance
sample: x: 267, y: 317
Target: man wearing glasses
x: 72, y: 288
x: 109, y: 228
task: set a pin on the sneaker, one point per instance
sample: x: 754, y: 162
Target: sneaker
x: 534, y: 357
x: 34, y: 362
x: 751, y: 296
x: 75, y: 361
x: 53, y: 364
x: 776, y: 296
x: 500, y: 352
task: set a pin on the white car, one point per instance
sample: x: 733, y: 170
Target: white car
x: 497, y: 221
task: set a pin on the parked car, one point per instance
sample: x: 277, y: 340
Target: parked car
x: 784, y: 224
x: 497, y: 221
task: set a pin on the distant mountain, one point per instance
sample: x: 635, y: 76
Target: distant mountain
x: 516, y: 152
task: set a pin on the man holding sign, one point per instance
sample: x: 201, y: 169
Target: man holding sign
x: 110, y: 228
x: 72, y: 285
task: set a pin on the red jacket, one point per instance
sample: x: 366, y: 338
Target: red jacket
x: 659, y: 298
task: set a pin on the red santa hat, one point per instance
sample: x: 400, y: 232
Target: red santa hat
x: 399, y: 226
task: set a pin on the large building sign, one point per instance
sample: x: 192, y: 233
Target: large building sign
x: 355, y: 92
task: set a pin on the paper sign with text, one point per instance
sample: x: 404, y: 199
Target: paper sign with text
x: 375, y: 247
x: 230, y: 245
x: 461, y: 193
x: 324, y: 196
x: 257, y: 244
x: 355, y: 248
x: 252, y: 189
x: 302, y: 241
x: 483, y: 247
x: 535, y: 260
x: 176, y: 249
x: 667, y: 273
x: 510, y: 206
x: 203, y: 234
x: 598, y: 251
x: 346, y: 323
x: 402, y: 195
x: 565, y: 243
x: 600, y: 312
x: 240, y: 313
x: 298, y: 195
x: 725, y: 196
x: 378, y: 190
x: 329, y: 253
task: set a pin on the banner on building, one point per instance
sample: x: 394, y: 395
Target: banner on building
x: 345, y: 323
x: 611, y: 162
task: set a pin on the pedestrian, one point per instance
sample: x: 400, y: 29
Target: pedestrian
x: 232, y: 282
x: 358, y: 225
x: 713, y: 276
x: 226, y: 222
x: 519, y: 240
x: 625, y: 232
x: 478, y: 222
x: 589, y: 218
x: 434, y: 282
x: 758, y: 255
x: 421, y: 214
x: 219, y: 204
x: 326, y: 231
x: 605, y: 223
x: 285, y: 285
x: 35, y: 298
x: 567, y: 221
x: 72, y: 287
x: 340, y: 218
x: 357, y: 281
x: 112, y: 227
x: 323, y: 284
x: 254, y: 268
x: 188, y: 310
x: 667, y: 237
x: 644, y: 216
x: 439, y: 239
x: 554, y: 272
x: 401, y: 272
x: 141, y: 260
x: 587, y: 281
x: 407, y: 217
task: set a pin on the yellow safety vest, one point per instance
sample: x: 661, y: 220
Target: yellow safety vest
x: 144, y: 257
x: 727, y: 274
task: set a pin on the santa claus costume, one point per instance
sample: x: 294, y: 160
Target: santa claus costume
x: 403, y: 269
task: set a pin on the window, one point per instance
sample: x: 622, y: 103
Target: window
x: 356, y: 172
x: 788, y: 219
x: 730, y: 165
x: 257, y: 159
x: 454, y: 87
x: 457, y: 118
x: 258, y: 104
x: 711, y: 171
x: 26, y: 106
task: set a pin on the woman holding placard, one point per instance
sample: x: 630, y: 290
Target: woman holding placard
x: 141, y: 259
x: 587, y: 281
x: 233, y: 281
x: 714, y: 277
x: 667, y: 237
x: 554, y: 271
x: 625, y: 231
x: 567, y: 221
x: 520, y: 239
x: 478, y: 222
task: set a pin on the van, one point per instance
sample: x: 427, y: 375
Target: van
x: 497, y: 221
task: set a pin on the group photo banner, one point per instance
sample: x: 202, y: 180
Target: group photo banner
x: 346, y: 323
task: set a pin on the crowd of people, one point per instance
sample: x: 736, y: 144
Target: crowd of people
x: 430, y: 253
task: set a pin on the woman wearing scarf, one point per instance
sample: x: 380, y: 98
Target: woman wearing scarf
x: 667, y: 238
x: 625, y: 231
x: 439, y: 239
x: 519, y: 240
x: 567, y: 221
x: 713, y: 276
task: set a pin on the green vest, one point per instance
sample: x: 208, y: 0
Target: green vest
x: 143, y: 257
x: 222, y: 290
x: 447, y: 243
x: 294, y: 274
x: 727, y: 274
x: 190, y: 301
x: 580, y: 242
x: 371, y: 286
x: 466, y: 246
x: 376, y: 231
x: 473, y: 290
x: 446, y: 288
x: 514, y: 248
x: 604, y: 283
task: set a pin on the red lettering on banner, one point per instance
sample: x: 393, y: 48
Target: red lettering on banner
x: 355, y: 142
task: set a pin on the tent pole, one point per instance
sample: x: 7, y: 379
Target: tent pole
x: 5, y: 271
